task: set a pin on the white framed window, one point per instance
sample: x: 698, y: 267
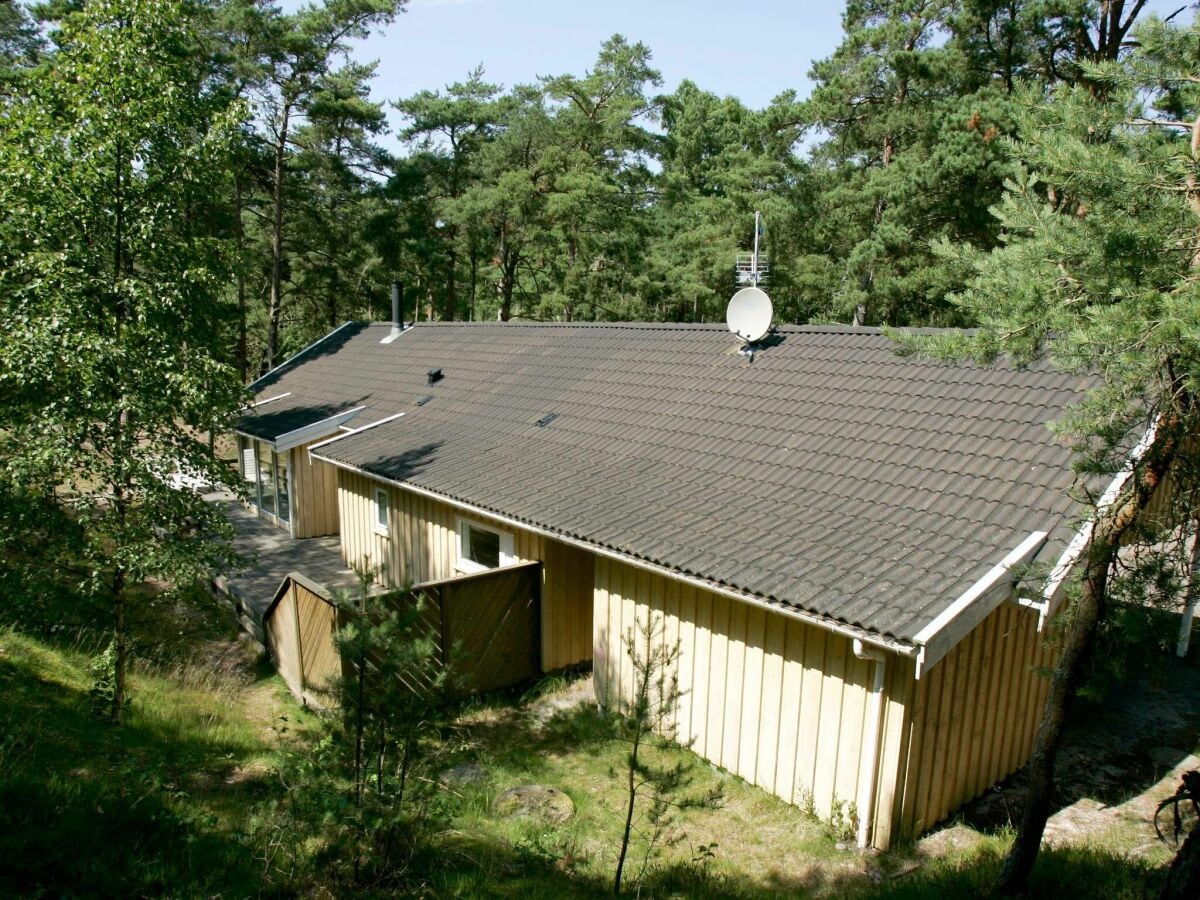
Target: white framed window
x: 382, y: 506
x: 481, y: 547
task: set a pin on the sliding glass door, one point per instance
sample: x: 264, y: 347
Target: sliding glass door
x: 266, y: 475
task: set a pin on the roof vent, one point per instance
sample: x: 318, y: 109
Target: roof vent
x: 546, y: 420
x: 434, y: 376
x: 422, y: 401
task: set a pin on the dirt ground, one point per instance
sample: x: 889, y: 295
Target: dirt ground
x: 1119, y: 759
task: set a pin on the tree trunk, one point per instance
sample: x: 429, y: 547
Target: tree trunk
x: 450, y: 313
x: 508, y: 283
x: 631, y: 794
x: 1086, y: 612
x: 122, y: 645
x: 276, y: 299
x: 1183, y: 878
x: 240, y: 238
x: 474, y: 274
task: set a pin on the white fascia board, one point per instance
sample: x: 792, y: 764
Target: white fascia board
x: 350, y: 431
x: 1056, y: 582
x: 867, y: 637
x: 257, y: 403
x: 307, y: 433
x: 974, y: 605
x: 252, y: 385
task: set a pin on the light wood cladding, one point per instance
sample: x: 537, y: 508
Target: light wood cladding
x: 314, y: 496
x: 422, y: 545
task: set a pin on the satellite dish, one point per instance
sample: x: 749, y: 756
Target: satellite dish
x: 749, y: 314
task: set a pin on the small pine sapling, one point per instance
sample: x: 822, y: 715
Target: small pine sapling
x: 648, y: 716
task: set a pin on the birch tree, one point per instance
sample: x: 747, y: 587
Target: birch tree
x: 109, y: 286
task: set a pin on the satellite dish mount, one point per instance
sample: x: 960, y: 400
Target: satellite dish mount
x: 750, y: 313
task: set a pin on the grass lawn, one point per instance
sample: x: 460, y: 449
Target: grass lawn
x: 165, y: 805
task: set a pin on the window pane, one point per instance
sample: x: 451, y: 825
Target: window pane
x: 266, y: 478
x: 381, y: 509
x: 246, y: 458
x: 483, y: 547
x: 281, y: 484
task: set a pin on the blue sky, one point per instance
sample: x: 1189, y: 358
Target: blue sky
x: 753, y: 49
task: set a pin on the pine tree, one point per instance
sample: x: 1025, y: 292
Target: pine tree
x: 1099, y: 274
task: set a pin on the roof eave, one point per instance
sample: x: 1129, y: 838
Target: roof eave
x: 875, y: 639
x: 975, y: 604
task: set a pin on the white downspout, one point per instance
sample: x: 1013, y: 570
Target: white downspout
x: 1191, y: 597
x: 870, y: 761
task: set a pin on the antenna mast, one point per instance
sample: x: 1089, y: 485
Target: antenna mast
x: 753, y: 269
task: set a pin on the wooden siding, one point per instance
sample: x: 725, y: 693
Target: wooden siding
x: 778, y: 702
x: 973, y: 718
x: 422, y: 545
x: 314, y: 495
x: 300, y: 630
x: 283, y: 640
x: 316, y: 621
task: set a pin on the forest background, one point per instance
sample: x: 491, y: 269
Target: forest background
x: 595, y: 196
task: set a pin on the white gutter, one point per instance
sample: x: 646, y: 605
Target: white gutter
x: 941, y: 635
x: 790, y: 612
x: 350, y: 431
x: 1058, y: 575
x: 1191, y: 597
x: 258, y: 403
x: 304, y: 433
x: 874, y: 737
x: 296, y: 356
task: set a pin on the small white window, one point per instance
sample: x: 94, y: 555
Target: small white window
x: 481, y: 548
x: 381, y: 511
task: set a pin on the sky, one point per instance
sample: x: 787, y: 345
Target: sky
x: 752, y: 49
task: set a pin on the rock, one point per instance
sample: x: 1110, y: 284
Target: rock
x: 467, y: 773
x: 534, y: 801
x: 1167, y: 757
x: 1073, y: 823
x: 948, y: 840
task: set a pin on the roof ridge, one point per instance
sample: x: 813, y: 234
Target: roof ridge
x: 630, y: 325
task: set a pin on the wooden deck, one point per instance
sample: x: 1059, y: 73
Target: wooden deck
x: 272, y: 554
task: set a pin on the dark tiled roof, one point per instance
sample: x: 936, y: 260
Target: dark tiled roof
x: 828, y: 474
x: 316, y: 396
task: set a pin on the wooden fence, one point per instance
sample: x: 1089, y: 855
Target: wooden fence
x: 486, y: 627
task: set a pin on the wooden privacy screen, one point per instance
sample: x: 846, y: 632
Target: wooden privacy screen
x: 491, y: 627
x: 486, y: 626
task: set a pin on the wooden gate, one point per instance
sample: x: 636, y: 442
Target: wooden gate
x: 487, y: 626
x: 491, y: 626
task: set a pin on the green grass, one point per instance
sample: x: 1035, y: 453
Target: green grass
x: 756, y: 834
x: 155, y: 807
x: 1082, y: 871
x: 163, y: 805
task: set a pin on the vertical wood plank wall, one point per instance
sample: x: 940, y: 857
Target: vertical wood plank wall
x: 780, y: 703
x: 973, y: 718
x: 422, y: 545
x: 283, y: 639
x: 319, y: 660
x: 314, y: 500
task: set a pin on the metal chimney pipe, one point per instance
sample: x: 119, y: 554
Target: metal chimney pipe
x: 397, y: 322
